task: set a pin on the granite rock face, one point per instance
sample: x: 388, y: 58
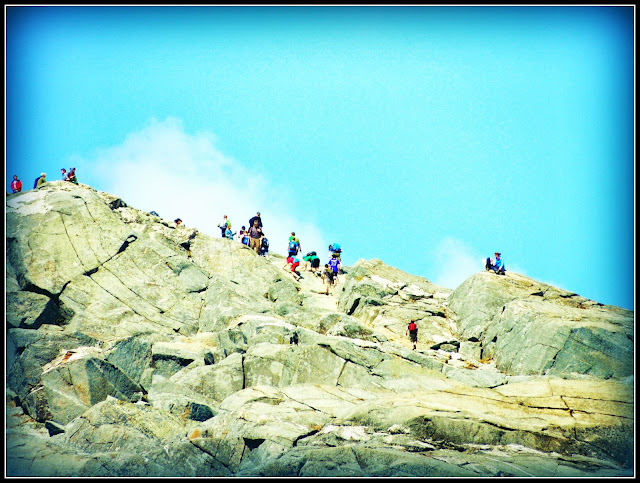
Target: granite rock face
x: 136, y: 347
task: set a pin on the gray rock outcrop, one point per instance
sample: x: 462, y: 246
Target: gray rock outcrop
x: 137, y: 347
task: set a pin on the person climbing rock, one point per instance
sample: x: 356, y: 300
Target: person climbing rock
x: 412, y: 330
x: 335, y: 248
x: 312, y: 262
x: 334, y: 264
x: 327, y: 278
x: 294, y: 246
x: 293, y: 262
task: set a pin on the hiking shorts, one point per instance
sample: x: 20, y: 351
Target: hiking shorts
x: 413, y: 336
x: 294, y: 266
x: 315, y: 263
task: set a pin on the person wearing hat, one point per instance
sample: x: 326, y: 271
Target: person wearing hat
x: 41, y: 180
x: 498, y: 266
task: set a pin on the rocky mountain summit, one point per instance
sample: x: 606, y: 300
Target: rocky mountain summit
x: 137, y: 347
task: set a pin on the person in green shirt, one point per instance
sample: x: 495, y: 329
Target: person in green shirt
x: 312, y: 263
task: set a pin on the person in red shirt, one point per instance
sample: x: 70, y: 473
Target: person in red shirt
x: 294, y: 263
x: 16, y: 184
x: 412, y: 329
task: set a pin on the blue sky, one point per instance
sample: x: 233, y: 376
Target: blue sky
x: 427, y: 137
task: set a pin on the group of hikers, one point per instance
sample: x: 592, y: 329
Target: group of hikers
x: 16, y: 184
x: 255, y: 239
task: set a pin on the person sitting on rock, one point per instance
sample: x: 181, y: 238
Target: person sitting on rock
x: 497, y: 266
x: 41, y: 180
x: 71, y: 176
x: 228, y: 233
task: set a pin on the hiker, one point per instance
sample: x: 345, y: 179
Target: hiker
x: 294, y: 262
x: 327, y: 277
x: 334, y: 264
x: 245, y: 239
x: 412, y: 329
x: 294, y: 339
x: 228, y: 233
x: 16, y: 184
x: 255, y: 235
x: 497, y: 267
x: 294, y: 246
x: 257, y: 217
x: 63, y: 173
x: 41, y: 180
x: 335, y: 248
x: 178, y: 221
x: 312, y: 261
x: 223, y: 226
x: 294, y: 238
x: 264, y: 247
x: 72, y: 176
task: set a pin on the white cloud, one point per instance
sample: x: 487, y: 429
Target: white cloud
x: 161, y: 168
x: 456, y: 261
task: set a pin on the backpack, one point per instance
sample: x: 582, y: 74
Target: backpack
x: 35, y: 183
x: 293, y: 247
x: 413, y: 327
x: 265, y: 243
x: 311, y: 254
x: 336, y: 248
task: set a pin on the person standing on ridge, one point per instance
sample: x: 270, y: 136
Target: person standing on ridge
x: 257, y: 217
x: 255, y: 236
x: 16, y: 184
x: 412, y: 329
x: 63, y: 173
x: 264, y: 246
x: 223, y: 226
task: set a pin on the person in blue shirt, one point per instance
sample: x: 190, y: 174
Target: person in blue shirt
x: 497, y: 266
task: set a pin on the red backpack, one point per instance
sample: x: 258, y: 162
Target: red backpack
x: 413, y: 327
